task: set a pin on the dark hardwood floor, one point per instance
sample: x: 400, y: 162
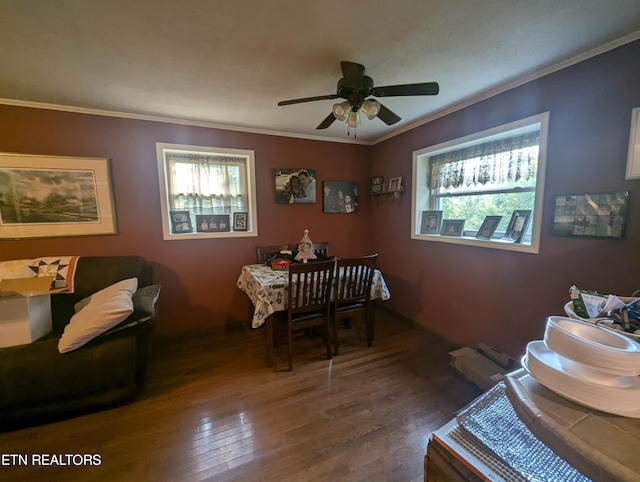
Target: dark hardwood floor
x: 211, y: 410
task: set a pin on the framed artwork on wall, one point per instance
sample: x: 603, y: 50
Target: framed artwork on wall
x: 452, y: 227
x: 633, y: 158
x: 600, y: 215
x: 340, y: 196
x: 488, y: 227
x: 295, y: 186
x: 431, y: 221
x: 46, y: 196
x: 395, y: 184
x: 376, y: 183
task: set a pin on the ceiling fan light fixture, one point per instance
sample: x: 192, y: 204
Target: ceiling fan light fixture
x: 341, y: 111
x: 354, y: 119
x: 370, y: 108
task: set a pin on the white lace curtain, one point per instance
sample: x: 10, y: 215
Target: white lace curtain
x: 207, y: 184
x: 513, y: 160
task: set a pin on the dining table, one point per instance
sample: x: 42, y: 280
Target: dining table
x: 268, y: 290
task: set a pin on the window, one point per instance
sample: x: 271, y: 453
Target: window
x: 206, y: 192
x: 492, y: 173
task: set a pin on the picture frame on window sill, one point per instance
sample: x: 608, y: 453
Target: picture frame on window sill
x: 488, y: 227
x: 395, y: 184
x: 52, y: 196
x: 180, y: 222
x: 213, y: 223
x: 240, y: 221
x: 431, y: 222
x: 517, y: 226
x: 452, y: 227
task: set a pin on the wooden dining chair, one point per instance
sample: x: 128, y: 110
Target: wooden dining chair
x: 309, y: 300
x: 321, y: 248
x: 353, y: 294
x: 263, y: 253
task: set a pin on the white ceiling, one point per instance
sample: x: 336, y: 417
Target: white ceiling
x: 228, y: 63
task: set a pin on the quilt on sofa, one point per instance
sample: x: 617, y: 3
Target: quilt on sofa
x: 62, y: 268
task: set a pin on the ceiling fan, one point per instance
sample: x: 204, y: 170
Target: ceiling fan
x: 355, y: 88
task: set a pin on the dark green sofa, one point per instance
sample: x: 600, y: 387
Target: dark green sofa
x: 38, y: 383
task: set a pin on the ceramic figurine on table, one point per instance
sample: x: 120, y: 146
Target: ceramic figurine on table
x: 305, y: 248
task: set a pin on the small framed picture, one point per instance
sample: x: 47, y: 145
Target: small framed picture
x: 488, y: 227
x: 517, y: 225
x: 395, y: 184
x: 452, y: 227
x: 213, y: 223
x: 377, y: 183
x: 180, y: 222
x: 431, y: 221
x: 240, y: 221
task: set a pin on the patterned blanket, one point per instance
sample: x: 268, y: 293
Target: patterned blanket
x: 62, y: 268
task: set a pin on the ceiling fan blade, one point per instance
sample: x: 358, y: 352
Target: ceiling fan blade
x: 308, y: 99
x: 326, y: 122
x: 351, y: 70
x: 387, y: 116
x: 425, y: 88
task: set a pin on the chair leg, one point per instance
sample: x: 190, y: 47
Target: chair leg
x: 290, y: 346
x: 370, y: 327
x: 327, y: 340
x: 335, y: 334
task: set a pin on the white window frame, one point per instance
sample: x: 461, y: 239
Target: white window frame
x: 163, y: 178
x: 420, y: 192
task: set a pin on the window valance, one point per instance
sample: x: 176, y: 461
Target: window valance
x: 511, y: 160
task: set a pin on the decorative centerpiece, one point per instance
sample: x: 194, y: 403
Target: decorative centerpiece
x: 305, y: 249
x: 280, y: 264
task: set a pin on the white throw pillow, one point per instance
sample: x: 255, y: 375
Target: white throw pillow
x: 97, y: 313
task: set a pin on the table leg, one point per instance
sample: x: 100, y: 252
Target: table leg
x: 269, y: 340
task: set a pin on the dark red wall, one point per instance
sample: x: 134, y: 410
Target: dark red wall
x: 198, y: 276
x: 468, y: 294
x: 472, y: 294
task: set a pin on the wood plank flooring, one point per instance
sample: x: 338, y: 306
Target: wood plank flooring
x: 212, y: 411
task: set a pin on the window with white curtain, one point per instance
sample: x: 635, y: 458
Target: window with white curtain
x: 497, y: 173
x: 207, y: 192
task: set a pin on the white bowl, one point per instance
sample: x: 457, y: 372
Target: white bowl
x: 615, y: 394
x: 593, y: 346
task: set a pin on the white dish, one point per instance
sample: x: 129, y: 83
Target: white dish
x: 620, y: 396
x: 592, y: 345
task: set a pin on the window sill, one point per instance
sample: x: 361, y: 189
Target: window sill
x: 480, y: 243
x: 224, y: 234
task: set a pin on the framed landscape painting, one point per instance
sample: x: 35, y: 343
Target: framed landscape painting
x: 47, y: 196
